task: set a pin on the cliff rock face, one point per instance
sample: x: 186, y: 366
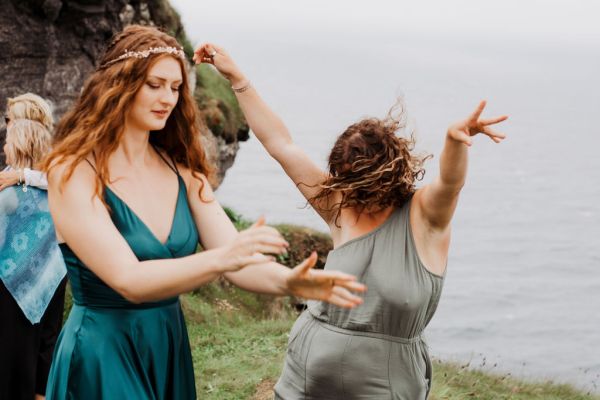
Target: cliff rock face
x: 48, y: 47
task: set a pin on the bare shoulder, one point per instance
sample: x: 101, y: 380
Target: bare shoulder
x: 196, y: 183
x: 61, y: 176
x: 72, y: 194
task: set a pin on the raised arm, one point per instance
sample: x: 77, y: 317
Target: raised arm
x: 268, y: 127
x: 217, y: 230
x: 83, y: 222
x: 437, y: 201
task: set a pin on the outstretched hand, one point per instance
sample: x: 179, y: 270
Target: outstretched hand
x: 331, y: 286
x: 252, y: 246
x: 212, y: 54
x: 463, y: 130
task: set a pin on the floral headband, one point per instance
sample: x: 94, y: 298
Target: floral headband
x: 145, y: 53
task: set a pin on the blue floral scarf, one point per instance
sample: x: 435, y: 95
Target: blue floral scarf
x: 31, y: 264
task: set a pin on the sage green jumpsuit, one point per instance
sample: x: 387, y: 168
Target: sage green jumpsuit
x: 376, y: 350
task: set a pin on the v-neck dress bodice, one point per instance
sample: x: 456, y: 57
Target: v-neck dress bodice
x: 111, y: 348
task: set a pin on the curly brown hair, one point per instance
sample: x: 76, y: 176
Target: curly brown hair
x: 371, y: 167
x: 94, y: 125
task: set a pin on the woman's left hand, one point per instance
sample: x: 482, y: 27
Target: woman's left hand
x: 212, y: 54
x: 8, y: 178
x: 331, y: 286
x: 463, y: 130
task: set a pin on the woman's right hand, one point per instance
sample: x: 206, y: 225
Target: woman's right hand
x: 251, y: 246
x: 8, y: 178
x: 211, y: 54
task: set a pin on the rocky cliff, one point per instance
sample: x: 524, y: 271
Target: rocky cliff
x: 49, y: 47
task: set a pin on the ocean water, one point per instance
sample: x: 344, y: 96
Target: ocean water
x: 522, y: 291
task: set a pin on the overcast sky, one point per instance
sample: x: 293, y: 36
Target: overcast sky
x: 563, y: 20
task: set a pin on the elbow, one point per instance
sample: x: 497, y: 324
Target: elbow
x: 452, y: 187
x: 128, y: 289
x: 134, y: 298
x: 278, y: 149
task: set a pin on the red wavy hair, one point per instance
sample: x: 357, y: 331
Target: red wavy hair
x: 95, y: 124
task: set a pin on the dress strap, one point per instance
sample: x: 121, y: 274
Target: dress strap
x: 171, y: 164
x: 91, y: 165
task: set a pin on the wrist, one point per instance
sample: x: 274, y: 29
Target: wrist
x: 238, y: 80
x: 222, y: 261
x: 284, y: 286
x: 449, y: 133
x: 454, y: 136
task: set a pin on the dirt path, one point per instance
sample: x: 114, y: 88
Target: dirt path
x: 264, y: 390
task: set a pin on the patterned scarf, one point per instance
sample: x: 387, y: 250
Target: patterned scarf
x: 31, y: 264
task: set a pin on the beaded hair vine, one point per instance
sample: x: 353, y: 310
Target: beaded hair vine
x: 145, y: 53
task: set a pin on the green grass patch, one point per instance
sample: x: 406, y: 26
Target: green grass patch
x: 233, y: 349
x: 458, y: 382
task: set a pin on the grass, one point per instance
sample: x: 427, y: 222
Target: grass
x: 237, y: 340
x: 456, y: 382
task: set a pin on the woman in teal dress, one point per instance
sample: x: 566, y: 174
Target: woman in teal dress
x: 129, y: 191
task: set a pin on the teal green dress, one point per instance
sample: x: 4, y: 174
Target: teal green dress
x: 113, y: 349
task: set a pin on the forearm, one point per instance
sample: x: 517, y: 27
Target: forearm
x: 154, y: 280
x: 266, y: 125
x: 268, y: 278
x: 453, y: 164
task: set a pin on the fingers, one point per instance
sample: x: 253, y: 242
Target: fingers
x: 198, y: 54
x: 341, y: 279
x: 266, y: 244
x: 346, y: 295
x: 264, y: 235
x: 259, y: 228
x: 308, y: 263
x: 204, y: 54
x: 262, y: 238
x: 351, y: 285
x: 494, y: 135
x: 462, y: 137
x: 256, y: 258
x: 340, y: 302
x: 337, y: 275
x: 492, y: 121
x: 343, y: 298
x: 259, y: 222
x: 478, y: 111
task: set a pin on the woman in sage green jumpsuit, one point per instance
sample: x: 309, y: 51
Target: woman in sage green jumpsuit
x: 375, y: 351
x: 391, y: 235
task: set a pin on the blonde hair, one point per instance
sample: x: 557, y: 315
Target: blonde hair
x: 27, y: 143
x: 31, y: 106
